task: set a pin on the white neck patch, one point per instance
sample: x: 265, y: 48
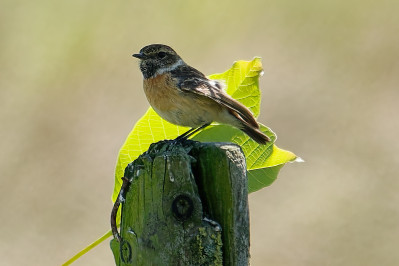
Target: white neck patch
x: 162, y: 70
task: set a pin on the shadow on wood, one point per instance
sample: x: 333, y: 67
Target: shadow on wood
x: 186, y: 205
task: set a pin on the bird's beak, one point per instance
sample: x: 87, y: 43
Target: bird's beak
x: 139, y: 56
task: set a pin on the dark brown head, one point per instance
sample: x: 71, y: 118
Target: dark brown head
x: 157, y: 59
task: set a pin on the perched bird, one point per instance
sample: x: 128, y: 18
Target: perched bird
x: 184, y: 96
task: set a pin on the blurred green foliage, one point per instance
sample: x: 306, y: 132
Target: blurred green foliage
x: 70, y: 92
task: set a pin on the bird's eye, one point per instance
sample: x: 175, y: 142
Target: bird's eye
x: 161, y: 54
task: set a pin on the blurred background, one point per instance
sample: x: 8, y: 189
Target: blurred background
x: 70, y: 92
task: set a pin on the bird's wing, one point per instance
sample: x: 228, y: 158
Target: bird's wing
x: 190, y: 80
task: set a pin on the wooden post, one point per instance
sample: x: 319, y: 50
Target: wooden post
x: 186, y: 205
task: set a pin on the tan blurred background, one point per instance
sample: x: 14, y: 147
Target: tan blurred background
x: 71, y: 92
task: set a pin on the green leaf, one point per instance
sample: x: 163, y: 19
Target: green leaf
x: 242, y: 83
x: 263, y: 161
x: 88, y: 248
x: 260, y: 178
x: 263, y: 177
x: 255, y: 154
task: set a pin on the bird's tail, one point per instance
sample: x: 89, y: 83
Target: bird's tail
x: 255, y: 133
x: 248, y: 124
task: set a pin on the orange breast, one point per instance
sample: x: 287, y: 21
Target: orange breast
x: 181, y: 108
x: 160, y: 92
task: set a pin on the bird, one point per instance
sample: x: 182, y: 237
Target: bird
x: 184, y: 96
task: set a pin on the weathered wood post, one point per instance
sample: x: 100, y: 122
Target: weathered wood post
x: 186, y: 205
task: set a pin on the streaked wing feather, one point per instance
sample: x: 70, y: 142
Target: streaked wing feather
x: 192, y: 81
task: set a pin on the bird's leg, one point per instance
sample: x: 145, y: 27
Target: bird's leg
x: 196, y: 130
x: 190, y: 132
x: 185, y: 135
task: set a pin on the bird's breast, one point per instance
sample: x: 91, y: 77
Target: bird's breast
x: 160, y: 92
x: 177, y: 107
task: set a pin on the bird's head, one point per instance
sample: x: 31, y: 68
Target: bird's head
x: 156, y: 59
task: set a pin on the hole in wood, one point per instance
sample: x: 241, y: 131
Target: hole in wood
x: 182, y: 207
